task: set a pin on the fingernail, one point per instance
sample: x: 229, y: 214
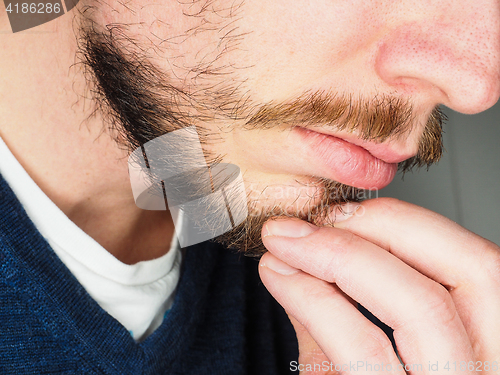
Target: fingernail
x: 345, y: 211
x: 289, y: 228
x: 278, y: 266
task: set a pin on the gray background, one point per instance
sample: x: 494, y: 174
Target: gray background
x: 465, y: 185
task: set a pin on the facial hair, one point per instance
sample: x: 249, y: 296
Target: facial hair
x: 139, y: 105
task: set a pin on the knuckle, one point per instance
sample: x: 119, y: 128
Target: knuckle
x: 391, y: 209
x: 318, y: 292
x: 376, y: 345
x: 438, y: 305
x: 321, y: 297
x: 483, y: 266
x: 490, y: 262
x: 394, y: 208
x: 390, y: 202
x: 343, y: 240
x: 344, y: 246
x: 386, y: 205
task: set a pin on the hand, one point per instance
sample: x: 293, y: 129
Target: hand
x: 434, y: 282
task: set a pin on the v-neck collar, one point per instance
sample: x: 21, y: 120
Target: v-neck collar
x: 70, y: 313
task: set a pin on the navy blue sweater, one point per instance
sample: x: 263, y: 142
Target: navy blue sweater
x: 223, y: 321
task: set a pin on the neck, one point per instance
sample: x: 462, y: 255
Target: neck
x: 47, y: 120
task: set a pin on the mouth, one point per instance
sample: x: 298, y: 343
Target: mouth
x: 348, y: 163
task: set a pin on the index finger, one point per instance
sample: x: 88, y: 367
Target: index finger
x: 432, y: 244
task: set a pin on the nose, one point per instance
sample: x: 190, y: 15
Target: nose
x: 448, y: 51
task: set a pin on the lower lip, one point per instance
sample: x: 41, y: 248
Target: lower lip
x: 346, y: 163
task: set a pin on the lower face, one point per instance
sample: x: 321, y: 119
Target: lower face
x: 268, y: 90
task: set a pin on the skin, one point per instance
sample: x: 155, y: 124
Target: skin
x: 429, y: 52
x: 43, y: 116
x: 435, y: 283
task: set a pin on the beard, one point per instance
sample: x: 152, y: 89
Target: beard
x: 139, y: 103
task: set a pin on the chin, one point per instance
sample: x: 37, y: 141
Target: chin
x: 312, y: 203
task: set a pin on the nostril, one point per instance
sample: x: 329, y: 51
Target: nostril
x: 475, y: 95
x: 441, y: 66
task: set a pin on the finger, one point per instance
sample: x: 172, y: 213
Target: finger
x: 343, y: 334
x: 310, y: 354
x: 467, y: 264
x: 427, y: 241
x: 421, y: 312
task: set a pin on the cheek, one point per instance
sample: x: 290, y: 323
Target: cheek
x: 181, y: 38
x: 296, y: 44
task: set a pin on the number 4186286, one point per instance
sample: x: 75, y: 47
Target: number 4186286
x: 34, y: 8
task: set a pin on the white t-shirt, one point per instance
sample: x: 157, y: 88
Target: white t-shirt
x: 138, y: 295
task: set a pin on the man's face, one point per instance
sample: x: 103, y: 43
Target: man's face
x: 311, y: 99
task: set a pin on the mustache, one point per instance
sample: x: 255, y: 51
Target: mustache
x: 141, y: 105
x: 377, y: 119
x: 138, y: 105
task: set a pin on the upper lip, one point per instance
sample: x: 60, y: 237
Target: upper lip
x: 386, y: 152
